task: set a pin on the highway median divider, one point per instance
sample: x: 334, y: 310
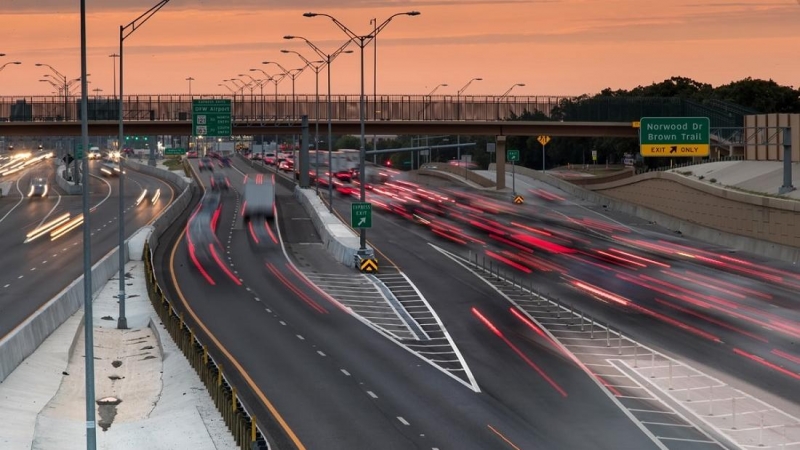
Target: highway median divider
x: 339, y: 239
x: 26, y: 337
x: 242, y: 424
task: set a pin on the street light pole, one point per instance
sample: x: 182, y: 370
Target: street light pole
x: 114, y: 71
x: 458, y: 101
x: 316, y: 66
x: 374, y: 23
x: 88, y: 322
x: 190, y: 79
x: 63, y: 79
x: 329, y: 57
x: 124, y: 32
x: 362, y: 41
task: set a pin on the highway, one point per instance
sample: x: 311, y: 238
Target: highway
x: 330, y: 380
x: 32, y: 272
x: 733, y: 315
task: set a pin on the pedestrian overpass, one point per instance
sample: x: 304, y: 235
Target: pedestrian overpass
x: 272, y: 115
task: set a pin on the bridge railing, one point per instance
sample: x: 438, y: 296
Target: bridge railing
x: 280, y: 108
x: 287, y: 108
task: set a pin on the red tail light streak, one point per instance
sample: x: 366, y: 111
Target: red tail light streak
x: 766, y: 363
x: 300, y: 294
x: 519, y: 352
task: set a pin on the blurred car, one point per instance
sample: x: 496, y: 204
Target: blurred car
x: 206, y: 164
x: 225, y: 161
x: 191, y: 154
x: 38, y: 187
x: 287, y: 165
x: 95, y: 154
x: 110, y: 169
x: 259, y: 199
x: 219, y: 182
x: 213, y: 154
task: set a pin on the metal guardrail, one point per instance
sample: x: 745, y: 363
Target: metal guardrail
x: 241, y: 423
x: 689, y: 163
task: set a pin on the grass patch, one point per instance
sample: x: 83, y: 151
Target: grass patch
x: 173, y: 163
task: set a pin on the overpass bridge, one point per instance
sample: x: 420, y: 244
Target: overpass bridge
x: 148, y: 115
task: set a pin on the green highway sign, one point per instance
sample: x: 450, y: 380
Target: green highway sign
x: 513, y: 156
x: 361, y: 215
x: 674, y: 136
x: 174, y: 151
x: 78, y: 151
x: 211, y: 117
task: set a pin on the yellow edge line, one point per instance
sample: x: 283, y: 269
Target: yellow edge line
x: 500, y: 435
x: 227, y: 354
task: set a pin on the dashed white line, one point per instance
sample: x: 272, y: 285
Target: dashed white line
x: 7, y: 285
x: 282, y: 323
x: 33, y: 268
x: 372, y: 394
x: 403, y: 421
x: 19, y: 277
x: 320, y: 353
x: 345, y: 372
x: 301, y: 337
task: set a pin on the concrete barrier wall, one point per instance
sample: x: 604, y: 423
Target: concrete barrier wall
x: 339, y: 239
x: 27, y: 336
x: 459, y: 171
x: 601, y: 179
x: 686, y: 226
x: 66, y: 186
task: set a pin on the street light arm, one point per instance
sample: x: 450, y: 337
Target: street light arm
x: 229, y: 88
x: 437, y: 88
x: 61, y: 76
x: 362, y: 41
x: 341, y: 26
x: 12, y: 62
x: 128, y: 29
x: 380, y: 27
x: 461, y: 91
x: 277, y: 64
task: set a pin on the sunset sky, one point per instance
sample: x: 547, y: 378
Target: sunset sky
x: 555, y: 47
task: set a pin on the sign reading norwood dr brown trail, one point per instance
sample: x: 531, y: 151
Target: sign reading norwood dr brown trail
x: 674, y: 136
x: 211, y: 117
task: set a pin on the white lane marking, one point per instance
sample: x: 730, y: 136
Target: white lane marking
x: 473, y: 382
x: 403, y: 421
x: 7, y: 285
x: 372, y: 394
x: 301, y: 337
x: 107, y: 195
x: 345, y: 372
x: 21, y: 198
x: 19, y: 277
x: 320, y: 353
x: 282, y: 323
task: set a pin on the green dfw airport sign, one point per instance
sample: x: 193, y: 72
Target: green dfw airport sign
x: 211, y: 117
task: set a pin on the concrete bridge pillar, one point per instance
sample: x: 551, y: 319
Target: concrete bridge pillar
x: 500, y: 164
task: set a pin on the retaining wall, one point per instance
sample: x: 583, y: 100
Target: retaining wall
x: 762, y: 225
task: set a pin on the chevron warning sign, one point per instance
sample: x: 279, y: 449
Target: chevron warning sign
x: 518, y: 200
x: 369, y: 265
